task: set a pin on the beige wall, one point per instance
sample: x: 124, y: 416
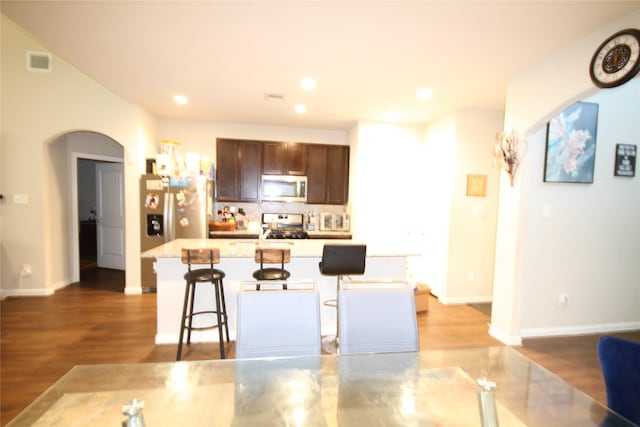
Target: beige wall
x: 387, y: 175
x: 473, y: 219
x: 37, y: 109
x: 459, y: 242
x: 409, y: 189
x: 439, y: 156
x: 200, y: 137
x: 600, y: 287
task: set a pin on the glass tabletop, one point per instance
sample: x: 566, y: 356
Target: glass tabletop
x: 429, y: 388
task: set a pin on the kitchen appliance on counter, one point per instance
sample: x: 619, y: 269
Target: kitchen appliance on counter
x: 172, y: 208
x: 284, y: 188
x: 334, y: 221
x: 284, y: 226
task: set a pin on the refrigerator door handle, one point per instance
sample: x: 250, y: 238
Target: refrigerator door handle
x: 169, y: 217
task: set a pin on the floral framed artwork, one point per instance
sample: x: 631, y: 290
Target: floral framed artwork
x: 571, y: 144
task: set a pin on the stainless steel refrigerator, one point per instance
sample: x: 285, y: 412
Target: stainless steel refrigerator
x: 172, y: 208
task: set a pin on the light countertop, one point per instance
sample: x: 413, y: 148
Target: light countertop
x: 316, y: 234
x: 245, y: 248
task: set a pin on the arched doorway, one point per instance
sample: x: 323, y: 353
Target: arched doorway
x: 81, y: 184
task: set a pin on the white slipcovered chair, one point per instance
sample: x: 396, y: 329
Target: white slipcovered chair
x: 277, y: 323
x: 377, y: 319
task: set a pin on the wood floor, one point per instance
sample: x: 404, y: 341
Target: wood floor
x: 93, y: 322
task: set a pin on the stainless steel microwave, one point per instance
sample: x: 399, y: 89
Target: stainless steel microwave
x: 284, y: 188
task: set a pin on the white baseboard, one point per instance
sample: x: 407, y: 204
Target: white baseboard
x: 133, y: 290
x: 504, y: 338
x: 39, y: 292
x: 603, y: 328
x: 61, y: 284
x: 35, y: 292
x: 465, y: 300
x: 560, y: 331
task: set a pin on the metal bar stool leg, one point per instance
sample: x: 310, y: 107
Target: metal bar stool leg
x: 183, y: 319
x: 224, y: 309
x: 191, y: 302
x: 330, y: 343
x: 339, y: 282
x: 216, y: 285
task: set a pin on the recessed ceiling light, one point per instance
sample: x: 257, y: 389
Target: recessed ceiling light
x: 308, y: 83
x: 179, y: 99
x: 424, y: 93
x: 300, y: 109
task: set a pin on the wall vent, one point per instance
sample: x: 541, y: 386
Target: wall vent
x: 39, y: 61
x: 273, y: 96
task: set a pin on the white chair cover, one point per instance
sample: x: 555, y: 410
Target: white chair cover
x: 278, y: 323
x: 377, y: 320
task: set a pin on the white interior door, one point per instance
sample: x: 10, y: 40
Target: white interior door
x: 110, y: 207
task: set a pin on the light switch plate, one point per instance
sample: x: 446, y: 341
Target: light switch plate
x: 20, y: 198
x: 546, y: 211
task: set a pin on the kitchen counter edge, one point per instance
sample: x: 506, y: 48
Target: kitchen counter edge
x: 245, y: 234
x: 245, y: 248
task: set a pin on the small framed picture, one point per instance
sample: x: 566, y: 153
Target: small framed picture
x: 625, y: 163
x: 571, y: 144
x: 476, y: 185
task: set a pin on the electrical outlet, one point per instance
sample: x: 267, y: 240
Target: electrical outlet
x: 563, y: 300
x: 25, y: 271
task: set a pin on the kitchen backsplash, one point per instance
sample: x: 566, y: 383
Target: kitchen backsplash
x: 254, y: 211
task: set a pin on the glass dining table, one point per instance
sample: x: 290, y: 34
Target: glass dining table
x: 487, y: 386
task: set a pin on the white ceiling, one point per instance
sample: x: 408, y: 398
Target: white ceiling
x: 369, y: 58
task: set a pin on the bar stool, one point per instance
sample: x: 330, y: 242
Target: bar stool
x: 265, y: 255
x: 340, y: 260
x: 194, y: 277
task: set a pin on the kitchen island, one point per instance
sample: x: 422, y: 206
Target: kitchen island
x: 237, y: 261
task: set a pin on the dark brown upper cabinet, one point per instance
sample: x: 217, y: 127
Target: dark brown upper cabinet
x: 327, y: 174
x: 279, y: 158
x: 238, y: 170
x: 240, y: 165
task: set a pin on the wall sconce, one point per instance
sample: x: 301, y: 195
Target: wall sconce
x: 508, y: 152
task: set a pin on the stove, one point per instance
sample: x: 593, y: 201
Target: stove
x: 284, y: 226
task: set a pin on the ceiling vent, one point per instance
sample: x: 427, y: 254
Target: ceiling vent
x: 39, y: 61
x: 273, y: 96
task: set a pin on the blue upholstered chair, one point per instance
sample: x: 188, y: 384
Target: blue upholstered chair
x: 620, y: 363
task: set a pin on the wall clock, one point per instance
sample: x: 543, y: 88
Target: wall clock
x: 617, y: 59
